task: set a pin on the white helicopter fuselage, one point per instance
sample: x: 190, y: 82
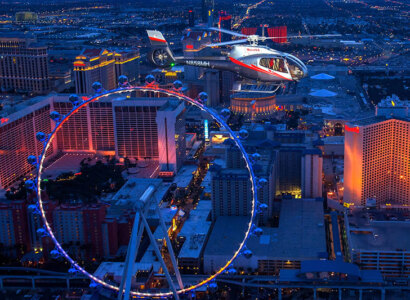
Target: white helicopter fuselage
x: 240, y: 51
x: 249, y: 61
x: 266, y: 64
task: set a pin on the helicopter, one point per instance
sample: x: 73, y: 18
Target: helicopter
x: 251, y: 61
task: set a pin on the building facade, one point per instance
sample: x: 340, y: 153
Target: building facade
x: 17, y: 138
x: 231, y: 192
x: 94, y: 65
x: 377, y: 154
x: 14, y: 237
x: 105, y: 67
x: 312, y: 166
x: 207, y: 11
x: 127, y: 63
x: 171, y: 130
x: 23, y: 65
x: 253, y: 107
x: 390, y: 263
x: 127, y: 127
x: 265, y: 167
x: 75, y: 225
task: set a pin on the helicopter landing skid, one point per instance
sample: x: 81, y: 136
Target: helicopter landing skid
x: 257, y: 87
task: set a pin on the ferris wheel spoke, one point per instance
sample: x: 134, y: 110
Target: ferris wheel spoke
x: 158, y: 253
x: 125, y: 286
x: 170, y: 249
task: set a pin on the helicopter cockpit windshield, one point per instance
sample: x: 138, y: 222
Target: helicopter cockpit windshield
x: 296, y: 68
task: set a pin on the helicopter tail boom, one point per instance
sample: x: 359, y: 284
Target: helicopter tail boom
x: 160, y: 54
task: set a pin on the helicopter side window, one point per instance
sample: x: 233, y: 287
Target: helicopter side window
x: 271, y: 63
x: 264, y: 62
x: 280, y: 65
x: 276, y: 64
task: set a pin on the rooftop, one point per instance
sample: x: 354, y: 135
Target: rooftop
x: 195, y: 230
x: 11, y: 106
x: 184, y: 175
x: 330, y: 140
x: 322, y: 76
x: 300, y: 235
x: 378, y: 231
x: 393, y: 101
x: 133, y: 189
x: 69, y: 162
x: 91, y: 52
x: 253, y: 95
x: 170, y: 105
x: 117, y: 268
x: 207, y: 183
x: 322, y: 93
x: 376, y: 119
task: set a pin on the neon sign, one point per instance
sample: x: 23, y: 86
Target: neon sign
x: 206, y: 130
x: 352, y: 129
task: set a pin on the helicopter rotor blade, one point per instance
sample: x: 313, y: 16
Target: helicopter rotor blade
x: 227, y: 43
x: 298, y: 36
x: 227, y: 31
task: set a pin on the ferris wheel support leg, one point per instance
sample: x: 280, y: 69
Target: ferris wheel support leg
x: 125, y: 286
x: 170, y: 249
x: 161, y: 260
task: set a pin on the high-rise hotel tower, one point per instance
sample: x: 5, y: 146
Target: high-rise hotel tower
x: 23, y: 64
x: 377, y: 161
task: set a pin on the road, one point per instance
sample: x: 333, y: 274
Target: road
x: 246, y: 16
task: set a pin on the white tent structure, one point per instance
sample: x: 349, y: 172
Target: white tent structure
x: 322, y: 76
x: 322, y: 93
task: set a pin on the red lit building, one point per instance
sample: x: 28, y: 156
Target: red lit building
x: 93, y: 217
x: 102, y: 131
x: 124, y: 229
x: 128, y: 127
x: 377, y: 155
x: 249, y: 30
x: 77, y: 225
x: 281, y: 32
x: 35, y: 222
x: 74, y: 135
x: 225, y: 22
x: 116, y: 233
x: 14, y: 237
x: 110, y: 236
x: 17, y: 137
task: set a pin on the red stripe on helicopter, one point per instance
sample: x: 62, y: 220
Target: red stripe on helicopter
x: 157, y: 39
x: 272, y: 73
x: 257, y: 69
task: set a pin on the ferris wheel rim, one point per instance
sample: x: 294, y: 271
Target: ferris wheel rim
x: 172, y: 93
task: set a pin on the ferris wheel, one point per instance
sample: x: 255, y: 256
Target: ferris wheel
x: 140, y: 222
